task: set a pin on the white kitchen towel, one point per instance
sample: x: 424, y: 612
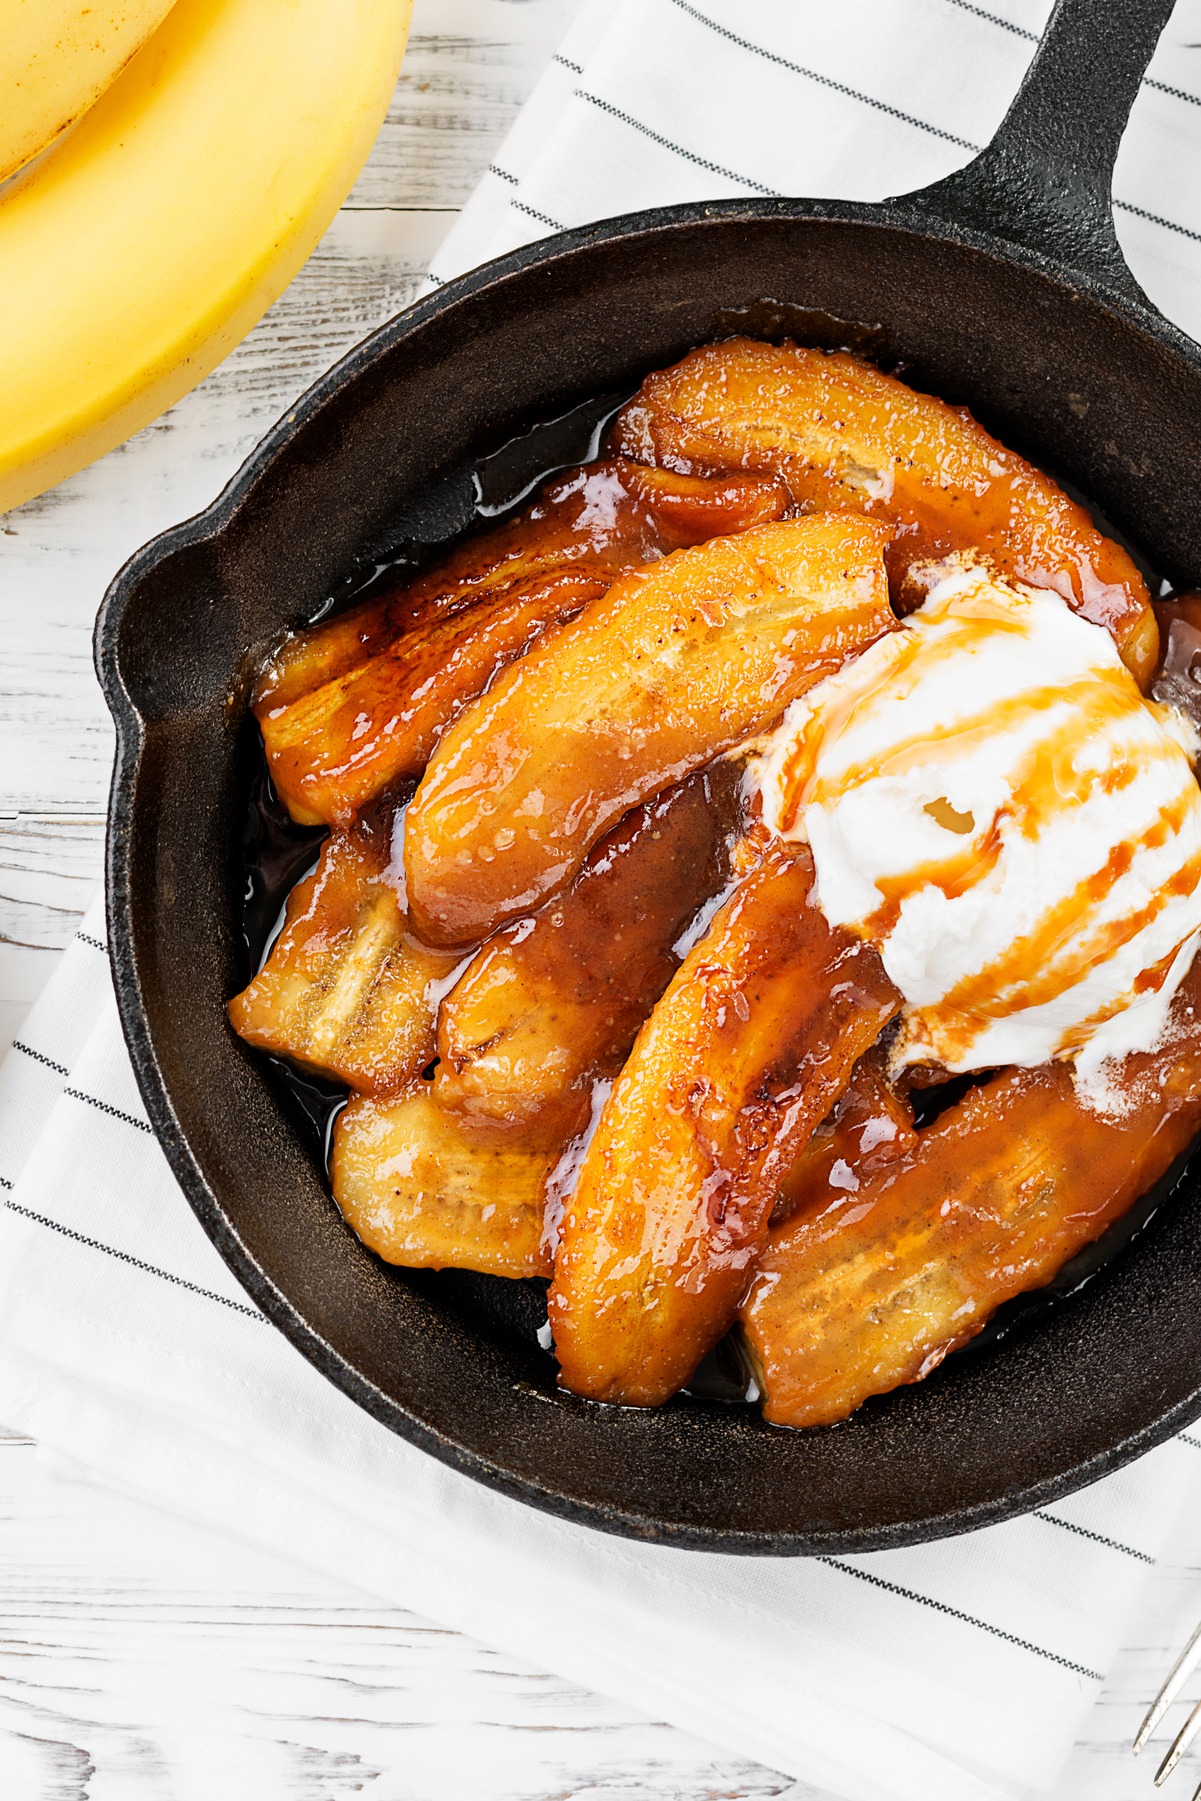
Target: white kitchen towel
x: 650, y: 102
x: 959, y: 1671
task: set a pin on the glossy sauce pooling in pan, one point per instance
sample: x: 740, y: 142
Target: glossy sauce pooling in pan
x: 565, y: 1058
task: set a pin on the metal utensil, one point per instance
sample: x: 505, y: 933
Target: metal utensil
x: 1179, y: 1674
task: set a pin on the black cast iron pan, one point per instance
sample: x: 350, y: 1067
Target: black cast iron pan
x: 1002, y: 287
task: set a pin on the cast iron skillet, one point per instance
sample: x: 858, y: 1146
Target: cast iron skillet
x: 1002, y: 287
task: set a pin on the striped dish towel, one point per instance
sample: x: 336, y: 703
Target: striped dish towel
x: 959, y: 1671
x: 651, y: 102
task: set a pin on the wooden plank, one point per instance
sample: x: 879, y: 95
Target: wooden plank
x: 157, y: 1661
x: 50, y: 866
x: 467, y: 71
x: 143, y: 1656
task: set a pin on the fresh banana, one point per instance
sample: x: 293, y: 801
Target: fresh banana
x: 140, y: 250
x: 56, y: 58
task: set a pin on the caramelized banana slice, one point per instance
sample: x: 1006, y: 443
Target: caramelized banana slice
x: 870, y: 1126
x: 747, y: 1050
x: 873, y: 1290
x: 600, y: 519
x: 843, y: 435
x: 333, y: 751
x: 556, y: 1000
x: 346, y: 990
x: 427, y: 1189
x: 675, y: 664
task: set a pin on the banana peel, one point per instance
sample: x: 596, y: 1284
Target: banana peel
x: 145, y: 245
x: 59, y: 56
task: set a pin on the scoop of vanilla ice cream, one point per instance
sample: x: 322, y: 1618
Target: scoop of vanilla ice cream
x: 990, y: 799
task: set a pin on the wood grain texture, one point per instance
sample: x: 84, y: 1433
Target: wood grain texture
x: 142, y: 1658
x: 467, y: 71
x: 50, y: 866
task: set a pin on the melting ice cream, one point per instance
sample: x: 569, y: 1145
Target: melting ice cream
x: 991, y: 800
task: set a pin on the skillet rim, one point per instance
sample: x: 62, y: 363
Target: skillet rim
x: 207, y: 526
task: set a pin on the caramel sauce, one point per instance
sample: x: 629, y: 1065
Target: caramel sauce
x: 752, y: 1044
x: 844, y: 435
x: 1055, y: 773
x: 278, y: 850
x: 1027, y: 976
x: 875, y: 1287
x: 384, y: 593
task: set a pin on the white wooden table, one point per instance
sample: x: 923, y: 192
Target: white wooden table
x: 141, y: 1658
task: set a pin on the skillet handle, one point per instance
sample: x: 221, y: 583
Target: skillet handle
x: 1046, y: 179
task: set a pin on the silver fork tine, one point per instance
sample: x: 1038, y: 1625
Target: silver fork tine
x: 1180, y: 1744
x: 1181, y: 1670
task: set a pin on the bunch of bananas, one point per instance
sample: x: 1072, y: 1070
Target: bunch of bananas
x: 168, y: 165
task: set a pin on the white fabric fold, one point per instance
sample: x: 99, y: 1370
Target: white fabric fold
x: 960, y: 1671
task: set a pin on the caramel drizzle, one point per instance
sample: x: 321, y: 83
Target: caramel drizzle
x: 799, y: 784
x: 993, y: 993
x: 1046, y: 777
x: 1043, y: 963
x: 797, y: 778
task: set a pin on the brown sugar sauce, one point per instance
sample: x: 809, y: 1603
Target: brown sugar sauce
x: 276, y: 853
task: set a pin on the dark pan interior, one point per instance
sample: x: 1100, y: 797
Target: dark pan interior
x: 1092, y: 387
